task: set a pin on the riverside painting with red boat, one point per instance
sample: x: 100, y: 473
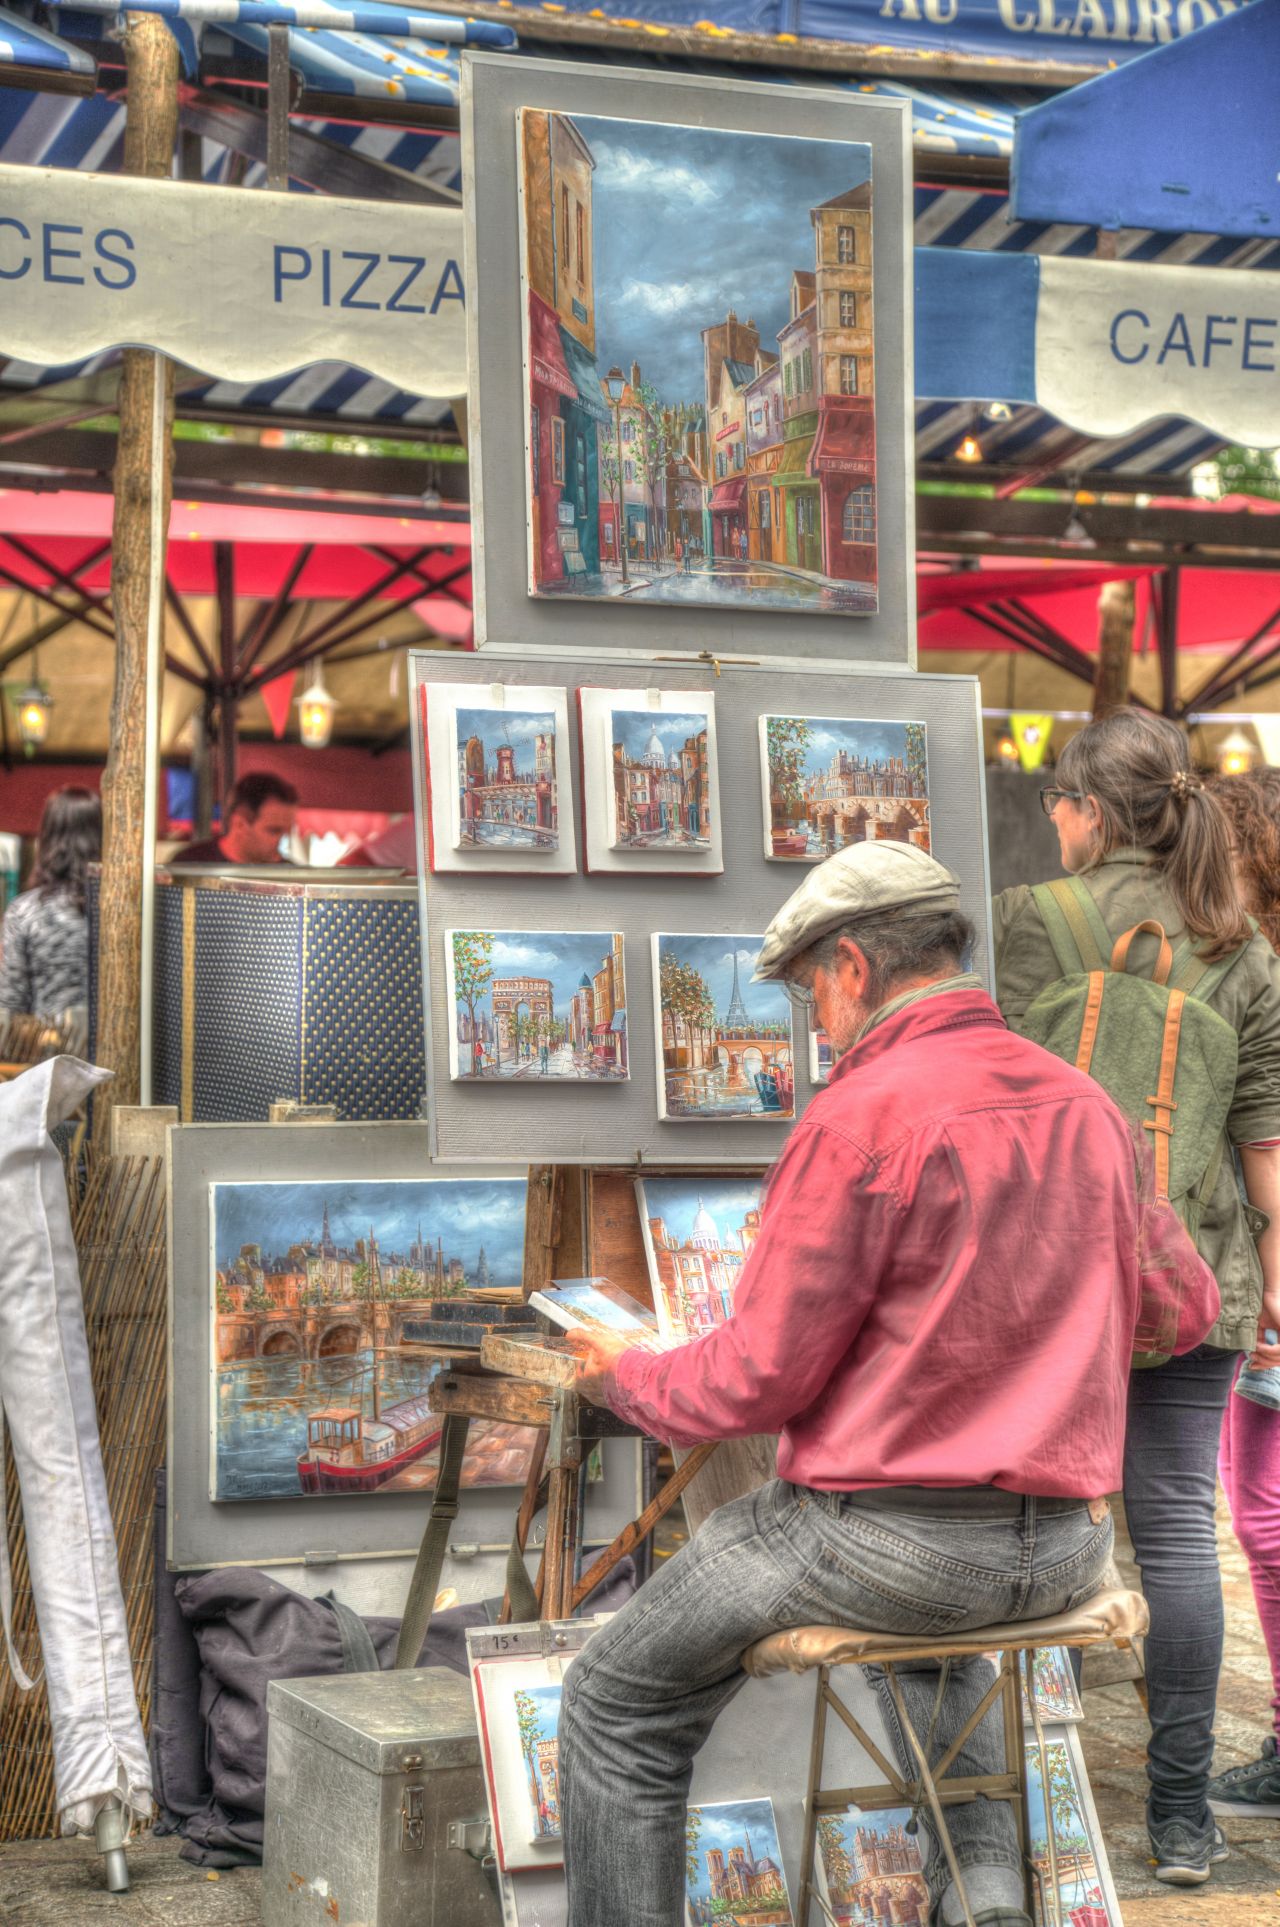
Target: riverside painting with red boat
x: 317, y: 1293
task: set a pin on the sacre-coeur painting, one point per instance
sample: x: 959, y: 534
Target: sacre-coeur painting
x: 700, y: 384
x: 698, y: 1235
x: 320, y: 1294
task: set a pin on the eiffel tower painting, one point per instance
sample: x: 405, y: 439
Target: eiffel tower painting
x: 717, y: 1058
x: 736, y: 1018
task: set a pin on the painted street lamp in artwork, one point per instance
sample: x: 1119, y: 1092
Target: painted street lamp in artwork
x: 615, y: 381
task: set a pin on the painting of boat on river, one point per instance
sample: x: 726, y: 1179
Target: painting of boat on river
x: 316, y: 1290
x: 264, y: 1409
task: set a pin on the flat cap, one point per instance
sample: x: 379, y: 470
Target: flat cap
x: 862, y: 880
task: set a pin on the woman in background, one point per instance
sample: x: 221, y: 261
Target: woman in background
x: 1250, y: 1458
x: 1139, y: 829
x: 44, y: 941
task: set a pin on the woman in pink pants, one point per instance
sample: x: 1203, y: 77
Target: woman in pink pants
x: 1250, y: 1458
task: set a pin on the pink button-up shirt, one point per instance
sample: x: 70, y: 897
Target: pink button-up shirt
x: 955, y: 1265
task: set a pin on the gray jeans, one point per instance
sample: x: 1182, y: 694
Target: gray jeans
x: 640, y: 1701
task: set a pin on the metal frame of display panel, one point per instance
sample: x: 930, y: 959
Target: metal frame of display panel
x: 585, y: 1123
x: 493, y: 92
x: 203, y: 1532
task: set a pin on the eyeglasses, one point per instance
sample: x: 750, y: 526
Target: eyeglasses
x: 801, y: 995
x: 1050, y: 799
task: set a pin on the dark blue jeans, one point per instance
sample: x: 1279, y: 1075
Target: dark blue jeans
x: 1170, y: 1489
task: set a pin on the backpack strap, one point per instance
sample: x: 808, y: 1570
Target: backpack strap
x: 1198, y: 978
x: 1163, y: 1103
x: 1164, y: 961
x: 1077, y: 943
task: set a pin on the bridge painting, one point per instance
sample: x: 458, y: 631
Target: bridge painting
x: 724, y: 1044
x: 315, y: 1293
x: 833, y: 780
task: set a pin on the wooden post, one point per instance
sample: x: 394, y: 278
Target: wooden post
x: 150, y: 132
x: 1115, y: 648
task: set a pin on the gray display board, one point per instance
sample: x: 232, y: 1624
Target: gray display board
x: 594, y: 1123
x: 204, y: 1532
x: 493, y: 92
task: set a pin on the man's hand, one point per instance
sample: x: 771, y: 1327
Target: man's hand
x: 598, y: 1352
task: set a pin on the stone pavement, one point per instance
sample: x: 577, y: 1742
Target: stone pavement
x: 57, y: 1883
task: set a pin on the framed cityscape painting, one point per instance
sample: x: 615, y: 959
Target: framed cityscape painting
x: 318, y: 1294
x: 733, y: 1866
x: 700, y: 388
x: 650, y: 781
x: 870, y: 1868
x: 518, y: 1713
x: 538, y: 1006
x: 496, y: 762
x: 822, y: 1055
x: 698, y: 1235
x: 833, y: 780
x: 724, y: 1044
x: 1076, y: 1875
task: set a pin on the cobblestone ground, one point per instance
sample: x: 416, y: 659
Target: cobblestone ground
x: 48, y: 1882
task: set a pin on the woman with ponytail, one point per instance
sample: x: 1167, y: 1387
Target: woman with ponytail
x: 1149, y: 842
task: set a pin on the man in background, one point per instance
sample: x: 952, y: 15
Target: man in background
x: 257, y: 816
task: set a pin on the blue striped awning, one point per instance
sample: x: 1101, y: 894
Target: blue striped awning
x: 46, y: 130
x: 24, y: 45
x: 364, y: 16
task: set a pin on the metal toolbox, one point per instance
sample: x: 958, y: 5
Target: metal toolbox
x: 376, y: 1812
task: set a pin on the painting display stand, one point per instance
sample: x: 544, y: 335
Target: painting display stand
x: 529, y: 1382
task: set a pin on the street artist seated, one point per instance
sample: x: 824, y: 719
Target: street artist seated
x: 957, y: 1259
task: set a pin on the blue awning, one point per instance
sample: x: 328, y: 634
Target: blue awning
x: 24, y: 45
x: 1106, y: 347
x: 1183, y: 139
x: 363, y: 16
x: 582, y: 366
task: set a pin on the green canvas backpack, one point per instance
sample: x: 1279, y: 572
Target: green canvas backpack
x: 1166, y: 1058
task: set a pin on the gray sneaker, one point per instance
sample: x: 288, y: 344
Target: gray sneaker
x: 1253, y: 1789
x: 1183, y: 1855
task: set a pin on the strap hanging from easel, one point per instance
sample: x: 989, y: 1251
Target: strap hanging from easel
x: 20, y: 1677
x: 435, y: 1540
x: 521, y: 1597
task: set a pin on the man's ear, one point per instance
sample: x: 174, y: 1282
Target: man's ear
x: 854, y: 968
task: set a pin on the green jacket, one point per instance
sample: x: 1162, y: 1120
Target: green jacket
x: 1127, y: 887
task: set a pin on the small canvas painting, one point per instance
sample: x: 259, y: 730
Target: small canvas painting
x: 577, y: 1304
x: 870, y: 1868
x: 537, y: 1717
x: 831, y: 780
x: 319, y: 1293
x: 822, y: 1056
x: 540, y: 1006
x: 650, y: 781
x: 700, y: 382
x: 1057, y: 1696
x: 698, y: 1235
x: 508, y: 795
x: 724, y: 1044
x: 1082, y: 1892
x: 733, y: 1866
x: 517, y: 1701
x: 497, y: 795
x: 661, y: 793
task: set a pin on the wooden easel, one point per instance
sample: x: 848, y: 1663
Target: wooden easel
x: 577, y: 1222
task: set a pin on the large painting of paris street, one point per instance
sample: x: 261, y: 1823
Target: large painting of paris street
x: 700, y: 374
x: 319, y: 1292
